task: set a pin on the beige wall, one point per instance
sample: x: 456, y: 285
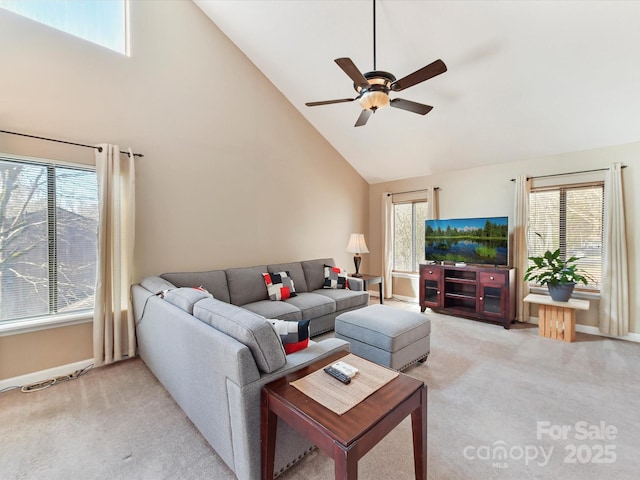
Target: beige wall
x: 35, y: 351
x: 233, y: 175
x: 488, y: 191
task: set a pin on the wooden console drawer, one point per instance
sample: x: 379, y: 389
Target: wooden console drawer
x: 427, y: 273
x: 493, y: 277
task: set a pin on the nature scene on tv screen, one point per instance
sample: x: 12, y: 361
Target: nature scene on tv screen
x: 468, y: 240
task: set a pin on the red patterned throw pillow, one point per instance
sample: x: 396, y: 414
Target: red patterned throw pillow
x: 335, y: 277
x: 294, y: 335
x: 279, y: 285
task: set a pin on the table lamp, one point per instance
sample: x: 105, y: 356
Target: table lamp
x: 357, y: 245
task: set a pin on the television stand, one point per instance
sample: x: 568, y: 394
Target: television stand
x: 473, y: 291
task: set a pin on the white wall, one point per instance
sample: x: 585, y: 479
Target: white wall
x: 232, y: 174
x: 488, y: 191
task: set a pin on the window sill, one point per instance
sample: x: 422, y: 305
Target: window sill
x: 17, y: 327
x: 575, y: 294
x: 409, y: 275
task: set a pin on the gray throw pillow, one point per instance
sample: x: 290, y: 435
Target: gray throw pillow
x: 186, y: 297
x: 156, y: 285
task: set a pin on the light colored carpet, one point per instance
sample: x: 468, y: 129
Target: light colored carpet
x: 490, y: 391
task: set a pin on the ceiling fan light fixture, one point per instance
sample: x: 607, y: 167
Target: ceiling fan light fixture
x: 374, y: 99
x: 373, y: 87
x: 376, y: 94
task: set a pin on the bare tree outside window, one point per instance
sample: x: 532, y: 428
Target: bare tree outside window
x: 48, y: 225
x: 23, y: 241
x: 402, y: 237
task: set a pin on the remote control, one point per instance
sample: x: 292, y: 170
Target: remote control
x: 339, y: 375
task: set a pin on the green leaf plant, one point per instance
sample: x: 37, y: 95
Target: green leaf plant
x: 550, y: 269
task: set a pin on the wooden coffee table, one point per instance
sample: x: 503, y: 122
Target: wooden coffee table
x: 345, y: 438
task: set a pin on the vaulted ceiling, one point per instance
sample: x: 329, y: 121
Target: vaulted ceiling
x: 525, y: 79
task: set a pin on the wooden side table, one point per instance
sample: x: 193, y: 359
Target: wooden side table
x: 372, y: 280
x: 557, y: 319
x: 345, y: 438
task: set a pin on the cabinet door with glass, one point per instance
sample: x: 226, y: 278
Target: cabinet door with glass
x: 431, y: 288
x: 493, y: 292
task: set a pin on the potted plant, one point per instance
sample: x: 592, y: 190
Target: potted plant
x: 559, y: 275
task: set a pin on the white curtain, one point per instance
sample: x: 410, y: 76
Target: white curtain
x: 520, y: 248
x: 433, y: 204
x: 387, y: 243
x: 113, y: 324
x: 614, y: 294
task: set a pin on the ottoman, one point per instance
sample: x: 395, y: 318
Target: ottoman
x: 385, y: 335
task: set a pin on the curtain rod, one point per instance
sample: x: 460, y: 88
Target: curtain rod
x: 411, y: 191
x: 569, y: 173
x: 63, y: 141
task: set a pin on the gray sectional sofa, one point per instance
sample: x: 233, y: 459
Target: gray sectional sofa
x: 245, y: 288
x: 213, y: 353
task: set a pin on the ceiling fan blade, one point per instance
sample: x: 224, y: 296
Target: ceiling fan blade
x: 350, y: 69
x: 362, y: 119
x: 329, y: 102
x: 425, y: 73
x: 410, y: 106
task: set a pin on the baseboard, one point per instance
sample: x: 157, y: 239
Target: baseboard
x: 42, y: 375
x: 588, y: 329
x: 400, y: 298
x: 403, y: 298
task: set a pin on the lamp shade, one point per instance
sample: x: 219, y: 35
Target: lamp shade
x: 357, y: 244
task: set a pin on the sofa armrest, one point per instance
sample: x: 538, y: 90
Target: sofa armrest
x: 356, y: 284
x: 315, y: 351
x: 244, y: 412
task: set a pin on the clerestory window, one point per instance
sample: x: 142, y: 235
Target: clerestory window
x: 103, y: 22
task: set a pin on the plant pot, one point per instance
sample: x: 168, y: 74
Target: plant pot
x: 561, y: 293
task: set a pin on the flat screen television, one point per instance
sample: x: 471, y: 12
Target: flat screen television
x: 467, y: 240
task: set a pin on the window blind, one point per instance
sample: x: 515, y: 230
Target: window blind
x: 408, y: 235
x: 569, y: 218
x: 48, y: 225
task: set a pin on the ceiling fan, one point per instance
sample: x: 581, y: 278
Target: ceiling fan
x: 373, y: 87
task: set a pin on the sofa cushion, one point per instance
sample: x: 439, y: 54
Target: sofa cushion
x: 279, y: 285
x: 335, y: 277
x: 295, y: 272
x: 313, y: 305
x: 186, y: 297
x: 246, y: 285
x: 247, y: 328
x: 279, y: 310
x: 314, y: 272
x: 294, y: 335
x: 345, y: 299
x: 215, y: 281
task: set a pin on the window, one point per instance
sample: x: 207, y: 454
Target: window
x: 48, y: 238
x: 569, y: 217
x: 103, y: 22
x: 408, y: 235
